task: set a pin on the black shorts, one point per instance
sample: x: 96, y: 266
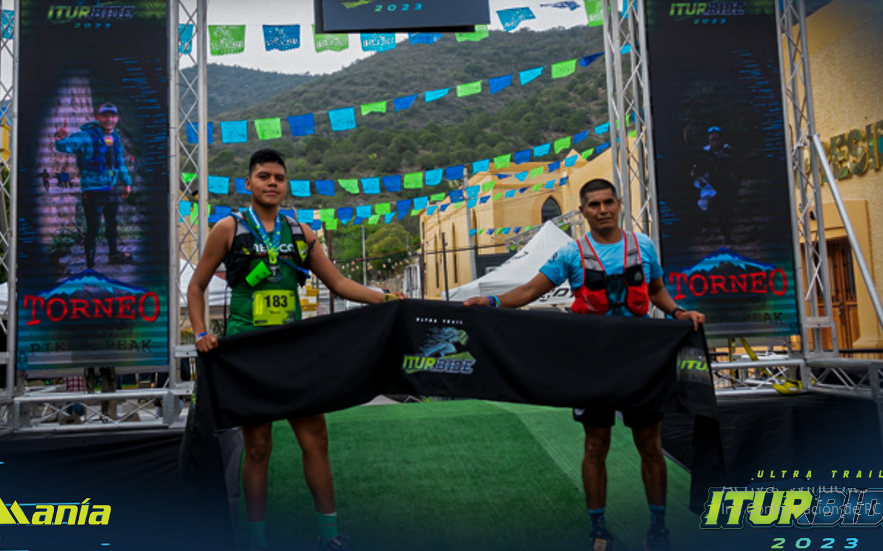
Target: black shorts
x: 606, y: 418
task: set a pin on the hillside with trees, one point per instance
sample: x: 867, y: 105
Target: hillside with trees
x: 231, y: 88
x: 432, y: 135
x: 435, y: 135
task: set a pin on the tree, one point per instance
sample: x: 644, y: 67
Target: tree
x: 390, y: 243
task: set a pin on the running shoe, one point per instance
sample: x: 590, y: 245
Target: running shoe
x: 119, y: 258
x: 601, y: 539
x: 657, y: 539
x: 337, y: 543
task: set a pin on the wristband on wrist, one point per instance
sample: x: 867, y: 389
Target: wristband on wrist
x: 201, y: 335
x: 677, y: 309
x: 495, y: 301
x: 387, y: 297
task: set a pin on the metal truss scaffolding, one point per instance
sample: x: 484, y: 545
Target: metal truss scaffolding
x: 8, y: 179
x: 189, y: 107
x: 42, y: 409
x: 628, y: 93
x: 812, y: 281
x: 823, y: 370
x: 628, y: 101
x: 628, y: 98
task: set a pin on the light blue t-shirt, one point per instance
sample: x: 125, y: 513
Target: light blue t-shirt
x: 567, y: 265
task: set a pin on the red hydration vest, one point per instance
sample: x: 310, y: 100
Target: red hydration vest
x: 591, y: 297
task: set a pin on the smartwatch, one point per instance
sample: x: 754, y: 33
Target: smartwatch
x: 677, y: 309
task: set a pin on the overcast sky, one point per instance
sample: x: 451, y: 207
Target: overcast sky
x: 257, y: 13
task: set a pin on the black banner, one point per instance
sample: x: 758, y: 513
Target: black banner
x: 337, y: 16
x: 93, y: 184
x: 722, y: 164
x: 440, y: 349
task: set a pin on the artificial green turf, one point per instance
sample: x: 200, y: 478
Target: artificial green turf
x: 462, y: 475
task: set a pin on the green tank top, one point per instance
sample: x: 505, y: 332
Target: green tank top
x: 243, y: 296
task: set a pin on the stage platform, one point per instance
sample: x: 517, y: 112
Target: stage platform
x: 809, y: 431
x: 457, y: 475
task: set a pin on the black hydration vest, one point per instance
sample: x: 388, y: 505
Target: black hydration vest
x: 240, y: 259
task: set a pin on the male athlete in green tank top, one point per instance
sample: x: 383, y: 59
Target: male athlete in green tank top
x: 242, y: 299
x: 264, y: 253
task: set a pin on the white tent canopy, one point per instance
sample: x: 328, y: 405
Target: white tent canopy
x: 217, y: 291
x: 520, y: 269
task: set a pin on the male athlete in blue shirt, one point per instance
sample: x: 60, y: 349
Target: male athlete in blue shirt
x: 620, y: 292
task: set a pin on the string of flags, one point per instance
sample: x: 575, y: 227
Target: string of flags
x: 220, y: 185
x: 331, y: 218
x: 389, y: 261
x: 230, y: 39
x: 374, y: 213
x: 344, y: 119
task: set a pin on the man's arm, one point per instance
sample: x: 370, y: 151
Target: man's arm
x: 519, y: 296
x: 661, y: 299
x: 321, y: 265
x: 124, y: 177
x: 216, y: 248
x: 67, y: 143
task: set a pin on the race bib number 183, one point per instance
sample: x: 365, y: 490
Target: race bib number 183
x: 274, y: 307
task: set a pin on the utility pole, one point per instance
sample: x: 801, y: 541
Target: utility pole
x: 330, y: 242
x: 422, y: 260
x: 473, y: 269
x: 364, y: 262
x: 445, y: 266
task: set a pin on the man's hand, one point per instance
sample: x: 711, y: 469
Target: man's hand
x: 125, y: 191
x: 477, y: 301
x: 207, y: 343
x: 696, y: 317
x: 60, y: 134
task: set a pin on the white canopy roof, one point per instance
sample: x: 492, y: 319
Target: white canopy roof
x: 217, y: 291
x: 520, y: 269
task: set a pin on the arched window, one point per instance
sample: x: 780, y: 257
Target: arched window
x: 550, y: 210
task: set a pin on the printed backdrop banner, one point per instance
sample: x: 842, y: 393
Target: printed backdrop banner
x: 433, y: 348
x: 722, y: 166
x: 93, y: 216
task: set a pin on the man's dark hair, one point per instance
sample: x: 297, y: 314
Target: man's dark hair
x: 263, y: 156
x: 598, y: 184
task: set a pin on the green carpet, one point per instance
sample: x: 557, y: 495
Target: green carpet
x: 462, y: 475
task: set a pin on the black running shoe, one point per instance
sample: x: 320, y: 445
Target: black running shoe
x: 337, y: 543
x: 657, y: 539
x: 601, y: 539
x: 119, y: 258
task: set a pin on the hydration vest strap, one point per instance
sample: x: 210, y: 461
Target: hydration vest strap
x: 632, y: 250
x: 631, y: 253
x: 300, y: 232
x: 590, y: 261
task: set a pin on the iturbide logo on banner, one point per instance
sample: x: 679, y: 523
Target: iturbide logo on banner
x: 90, y: 14
x: 444, y: 351
x: 819, y: 507
x: 707, y: 9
